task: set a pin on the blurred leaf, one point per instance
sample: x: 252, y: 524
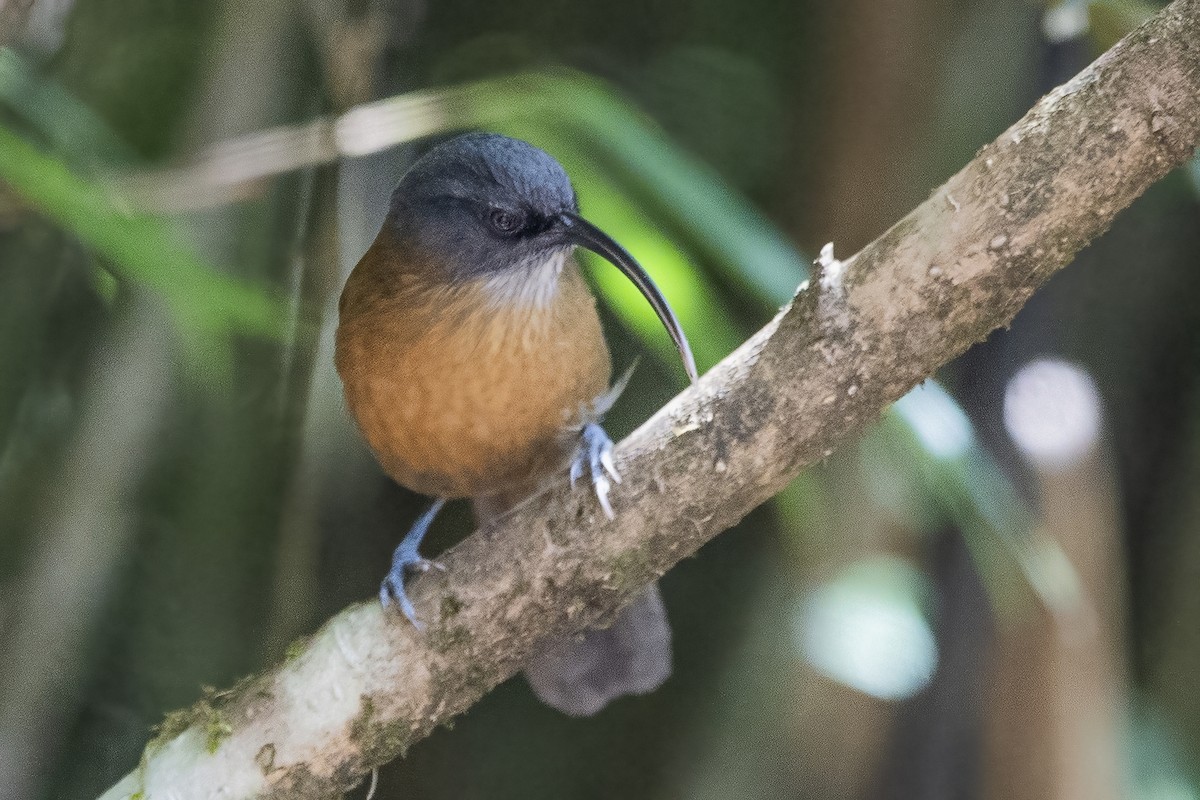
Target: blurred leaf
x: 70, y: 126
x: 722, y: 105
x: 141, y: 247
x: 928, y: 436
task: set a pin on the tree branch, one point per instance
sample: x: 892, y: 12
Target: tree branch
x: 367, y: 685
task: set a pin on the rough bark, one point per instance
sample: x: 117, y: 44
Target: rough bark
x: 868, y: 329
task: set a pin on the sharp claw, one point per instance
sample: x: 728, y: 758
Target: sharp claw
x: 576, y: 471
x: 392, y: 592
x: 606, y: 460
x: 602, y: 487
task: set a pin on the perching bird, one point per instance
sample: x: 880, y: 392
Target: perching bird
x: 472, y: 358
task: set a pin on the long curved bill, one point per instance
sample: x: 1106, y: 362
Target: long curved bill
x: 584, y: 234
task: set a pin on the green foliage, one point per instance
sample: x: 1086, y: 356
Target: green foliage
x: 142, y: 248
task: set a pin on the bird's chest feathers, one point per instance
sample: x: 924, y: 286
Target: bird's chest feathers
x: 468, y: 390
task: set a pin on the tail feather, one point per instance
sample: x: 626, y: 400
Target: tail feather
x: 579, y: 675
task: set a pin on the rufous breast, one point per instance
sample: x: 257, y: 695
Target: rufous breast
x: 472, y: 389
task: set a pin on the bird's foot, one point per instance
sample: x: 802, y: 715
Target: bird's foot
x: 393, y: 591
x: 407, y: 559
x: 595, y: 455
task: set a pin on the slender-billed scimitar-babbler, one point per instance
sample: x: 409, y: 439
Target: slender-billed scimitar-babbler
x: 473, y: 360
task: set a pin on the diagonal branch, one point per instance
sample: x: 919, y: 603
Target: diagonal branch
x: 367, y: 685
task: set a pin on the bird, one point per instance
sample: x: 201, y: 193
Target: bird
x: 473, y: 361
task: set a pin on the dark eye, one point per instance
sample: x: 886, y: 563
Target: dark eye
x: 504, y: 221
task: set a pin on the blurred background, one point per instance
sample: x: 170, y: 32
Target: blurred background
x: 994, y: 593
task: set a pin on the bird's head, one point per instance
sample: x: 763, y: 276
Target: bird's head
x: 484, y: 207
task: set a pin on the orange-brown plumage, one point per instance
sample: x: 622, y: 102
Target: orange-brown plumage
x: 459, y: 391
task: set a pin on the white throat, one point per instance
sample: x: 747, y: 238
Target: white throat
x: 532, y: 284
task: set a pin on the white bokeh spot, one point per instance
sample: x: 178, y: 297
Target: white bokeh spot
x: 1052, y: 413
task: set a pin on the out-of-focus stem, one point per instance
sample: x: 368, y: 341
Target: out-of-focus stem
x: 82, y: 539
x: 1059, y: 691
